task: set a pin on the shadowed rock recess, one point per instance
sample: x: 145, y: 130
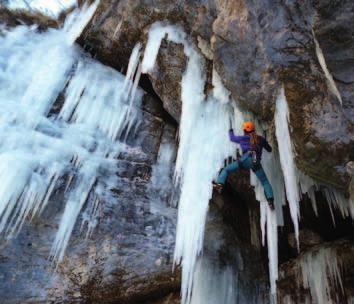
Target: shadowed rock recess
x: 257, y: 47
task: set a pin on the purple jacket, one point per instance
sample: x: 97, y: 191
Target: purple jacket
x: 244, y: 141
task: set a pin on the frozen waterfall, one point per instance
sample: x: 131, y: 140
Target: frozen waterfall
x: 202, y: 121
x: 50, y: 141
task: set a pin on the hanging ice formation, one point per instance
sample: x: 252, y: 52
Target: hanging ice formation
x: 42, y: 150
x: 287, y: 160
x: 296, y: 182
x: 319, y: 271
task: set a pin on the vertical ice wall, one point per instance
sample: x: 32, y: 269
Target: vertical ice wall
x: 42, y: 150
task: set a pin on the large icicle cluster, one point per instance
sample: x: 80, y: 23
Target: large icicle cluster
x: 42, y: 150
x: 319, y: 271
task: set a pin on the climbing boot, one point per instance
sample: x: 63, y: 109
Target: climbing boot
x: 271, y: 203
x: 218, y: 187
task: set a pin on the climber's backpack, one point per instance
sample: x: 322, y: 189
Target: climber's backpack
x: 255, y: 147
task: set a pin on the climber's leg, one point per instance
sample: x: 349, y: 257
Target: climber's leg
x: 268, y: 191
x: 233, y: 167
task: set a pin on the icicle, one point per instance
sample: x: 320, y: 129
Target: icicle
x: 337, y: 200
x: 77, y: 21
x: 334, y: 197
x: 330, y: 81
x: 308, y: 185
x: 287, y: 159
x: 94, y: 84
x: 132, y: 68
x: 157, y: 32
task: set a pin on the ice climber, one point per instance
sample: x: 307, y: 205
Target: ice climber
x: 252, y: 146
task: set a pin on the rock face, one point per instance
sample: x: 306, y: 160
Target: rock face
x: 256, y: 47
x: 128, y: 257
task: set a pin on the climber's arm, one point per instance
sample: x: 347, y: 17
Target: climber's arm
x: 234, y: 137
x: 266, y: 145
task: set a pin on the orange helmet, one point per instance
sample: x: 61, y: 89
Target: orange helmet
x: 248, y: 126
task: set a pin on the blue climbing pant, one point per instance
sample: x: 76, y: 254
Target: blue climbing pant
x: 247, y: 163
